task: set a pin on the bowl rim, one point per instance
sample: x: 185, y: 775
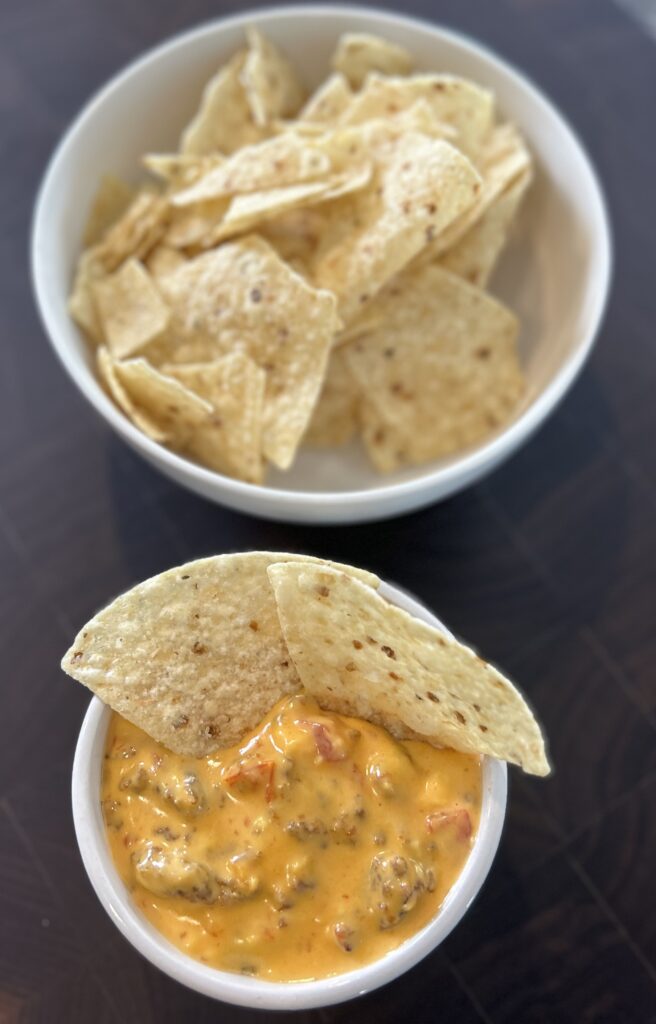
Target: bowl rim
x: 245, y: 991
x: 461, y: 467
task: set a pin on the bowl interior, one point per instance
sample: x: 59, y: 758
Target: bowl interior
x: 247, y: 991
x: 553, y: 273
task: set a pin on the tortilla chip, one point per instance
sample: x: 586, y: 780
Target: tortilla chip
x: 242, y: 297
x: 195, y: 656
x: 81, y: 303
x: 283, y: 160
x: 420, y: 185
x: 223, y: 122
x: 296, y: 236
x: 360, y: 655
x: 364, y: 323
x: 230, y: 440
x: 270, y: 82
x: 130, y: 308
x: 193, y: 227
x: 180, y: 170
x: 475, y: 256
x: 108, y: 376
x: 249, y: 211
x: 330, y: 100
x: 110, y: 202
x: 163, y: 260
x: 385, y: 443
x: 504, y: 161
x: 335, y: 417
x: 442, y: 368
x: 175, y: 409
x: 139, y: 229
x: 456, y: 101
x: 358, y: 54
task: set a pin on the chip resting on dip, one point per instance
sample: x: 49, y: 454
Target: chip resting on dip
x: 276, y: 725
x: 311, y: 267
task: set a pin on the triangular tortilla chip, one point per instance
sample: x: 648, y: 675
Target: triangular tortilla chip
x: 475, y: 255
x: 130, y: 308
x: 296, y: 235
x: 270, y: 82
x: 195, y: 656
x: 286, y: 159
x: 504, y: 162
x: 441, y: 368
x: 249, y: 211
x: 420, y: 185
x: 107, y: 372
x: 359, y: 53
x: 180, y: 170
x: 385, y: 442
x: 460, y: 103
x: 330, y: 100
x: 230, y: 439
x: 359, y: 655
x: 110, y: 202
x: 243, y: 297
x: 223, y: 122
x: 163, y: 259
x: 135, y: 233
x: 175, y: 409
x: 335, y: 417
x: 81, y: 304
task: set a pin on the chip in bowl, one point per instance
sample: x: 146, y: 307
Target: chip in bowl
x: 291, y: 225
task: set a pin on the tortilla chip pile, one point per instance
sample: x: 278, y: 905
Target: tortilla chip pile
x: 200, y: 654
x: 305, y: 269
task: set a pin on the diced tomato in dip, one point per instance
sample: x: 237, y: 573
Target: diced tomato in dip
x: 316, y: 846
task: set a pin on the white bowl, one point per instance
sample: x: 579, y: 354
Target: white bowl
x: 245, y: 991
x: 555, y: 274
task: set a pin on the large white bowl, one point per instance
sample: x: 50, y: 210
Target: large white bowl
x: 245, y: 991
x: 555, y: 274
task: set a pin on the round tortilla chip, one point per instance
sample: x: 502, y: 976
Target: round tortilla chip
x: 195, y: 656
x: 359, y: 655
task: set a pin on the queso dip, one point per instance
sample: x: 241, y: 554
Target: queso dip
x: 316, y: 846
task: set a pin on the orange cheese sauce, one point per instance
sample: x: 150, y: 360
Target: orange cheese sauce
x: 315, y: 847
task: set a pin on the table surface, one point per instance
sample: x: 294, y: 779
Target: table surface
x: 549, y: 567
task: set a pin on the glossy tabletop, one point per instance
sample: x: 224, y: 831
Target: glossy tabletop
x: 548, y: 567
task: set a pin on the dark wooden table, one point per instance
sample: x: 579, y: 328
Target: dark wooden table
x: 549, y: 567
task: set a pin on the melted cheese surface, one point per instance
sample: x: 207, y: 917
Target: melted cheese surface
x: 316, y: 846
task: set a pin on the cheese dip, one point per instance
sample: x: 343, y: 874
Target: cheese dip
x: 316, y: 846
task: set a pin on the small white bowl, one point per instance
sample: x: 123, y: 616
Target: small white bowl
x: 244, y: 991
x: 555, y: 274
